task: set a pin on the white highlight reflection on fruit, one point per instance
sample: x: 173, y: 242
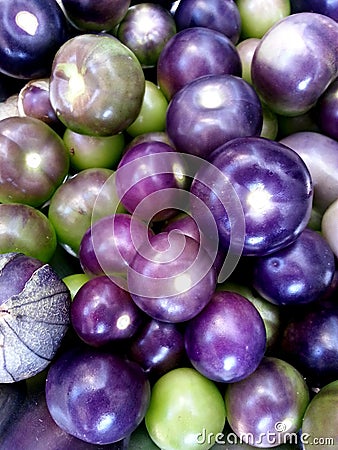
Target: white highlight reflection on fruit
x: 123, y: 322
x: 27, y: 21
x: 33, y: 160
x: 183, y: 282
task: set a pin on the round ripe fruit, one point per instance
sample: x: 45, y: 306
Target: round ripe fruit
x: 184, y: 404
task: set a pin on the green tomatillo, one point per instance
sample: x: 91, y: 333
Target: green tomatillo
x: 186, y: 411
x: 97, y: 85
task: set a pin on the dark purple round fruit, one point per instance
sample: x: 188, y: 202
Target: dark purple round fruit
x: 211, y: 110
x: 186, y: 224
x: 171, y: 278
x: 102, y: 312
x: 158, y: 347
x: 273, y: 185
x: 310, y: 343
x: 33, y: 428
x: 219, y: 15
x: 145, y: 29
x: 31, y: 33
x: 87, y: 15
x: 109, y: 245
x: 271, y: 314
x: 300, y: 273
x: 226, y: 341
x: 96, y: 396
x: 192, y: 53
x: 146, y: 169
x: 268, y: 405
x: 295, y: 62
x: 34, y: 101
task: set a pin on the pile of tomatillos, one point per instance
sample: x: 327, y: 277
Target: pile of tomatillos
x: 168, y: 224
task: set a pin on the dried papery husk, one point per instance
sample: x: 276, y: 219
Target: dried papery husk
x: 33, y: 322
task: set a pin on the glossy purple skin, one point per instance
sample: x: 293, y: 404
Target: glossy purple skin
x: 148, y: 137
x: 326, y: 7
x: 91, y: 16
x: 272, y: 399
x: 33, y: 428
x: 310, y: 342
x: 271, y: 181
x: 102, y: 312
x: 290, y: 78
x: 271, y: 314
x: 210, y: 111
x: 219, y: 15
x: 144, y: 169
x: 192, y: 53
x: 327, y: 110
x: 158, y: 347
x: 29, y: 53
x: 96, y: 396
x: 320, y: 154
x: 227, y: 340
x: 34, y: 101
x: 171, y: 279
x: 187, y: 225
x: 145, y: 29
x: 111, y: 243
x: 166, y: 3
x: 300, y: 273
